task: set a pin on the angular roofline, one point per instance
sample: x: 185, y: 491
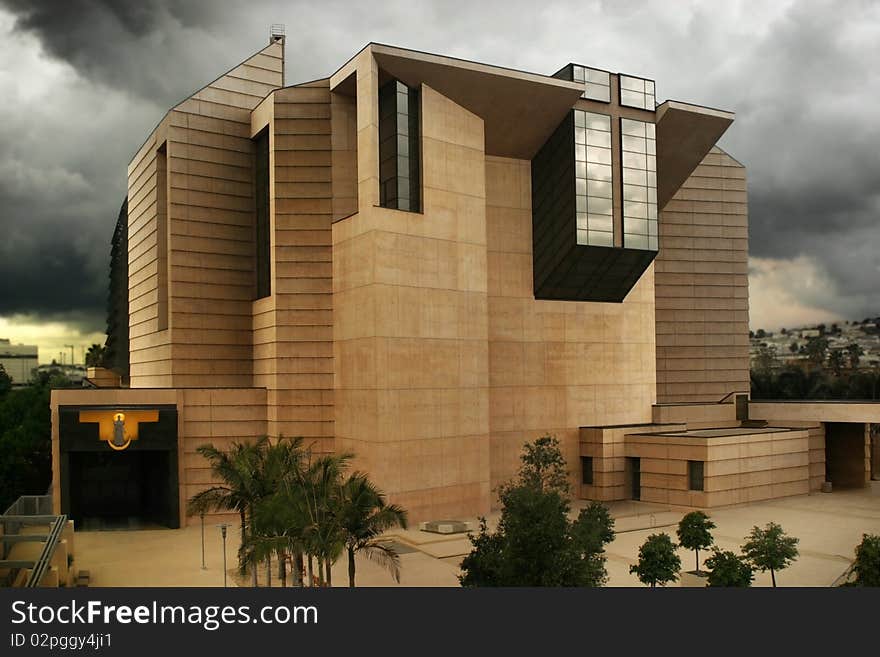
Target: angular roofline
x: 205, y: 86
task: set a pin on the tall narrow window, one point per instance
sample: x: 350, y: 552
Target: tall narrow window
x: 162, y: 237
x: 261, y: 198
x: 587, y: 470
x: 639, y: 163
x: 399, y: 147
x: 593, y: 188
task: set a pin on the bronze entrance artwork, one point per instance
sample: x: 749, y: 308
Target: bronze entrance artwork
x: 118, y: 428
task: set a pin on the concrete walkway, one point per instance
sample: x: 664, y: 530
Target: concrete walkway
x: 829, y: 527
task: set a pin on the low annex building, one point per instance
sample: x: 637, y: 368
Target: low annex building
x: 428, y: 262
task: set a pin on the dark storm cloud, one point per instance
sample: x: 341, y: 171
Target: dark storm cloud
x: 800, y: 77
x: 130, y: 45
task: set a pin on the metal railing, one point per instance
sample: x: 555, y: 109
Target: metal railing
x: 29, y: 510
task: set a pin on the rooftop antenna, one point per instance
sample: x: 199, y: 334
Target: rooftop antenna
x: 276, y: 35
x: 276, y: 32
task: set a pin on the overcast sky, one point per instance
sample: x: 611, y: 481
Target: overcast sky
x: 83, y: 82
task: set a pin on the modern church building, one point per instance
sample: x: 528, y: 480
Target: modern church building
x: 428, y: 262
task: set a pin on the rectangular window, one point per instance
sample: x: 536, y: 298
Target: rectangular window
x: 639, y: 164
x: 637, y: 92
x: 261, y: 224
x: 593, y: 190
x: 597, y: 84
x: 399, y: 147
x: 695, y: 475
x: 587, y: 470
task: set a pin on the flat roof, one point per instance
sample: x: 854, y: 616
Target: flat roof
x: 520, y: 109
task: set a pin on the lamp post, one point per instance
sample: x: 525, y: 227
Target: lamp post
x: 202, y: 516
x: 223, y: 526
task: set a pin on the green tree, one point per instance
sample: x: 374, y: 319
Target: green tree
x: 242, y: 487
x: 658, y: 562
x: 867, y: 563
x: 770, y: 549
x: 854, y: 353
x: 5, y: 381
x: 729, y: 569
x: 766, y: 359
x: 591, y: 532
x: 364, y: 516
x: 535, y: 543
x: 695, y: 533
x: 543, y: 466
x: 95, y: 356
x: 836, y: 361
x: 25, y: 443
x: 485, y: 564
x: 793, y: 347
x: 594, y: 527
x: 817, y: 349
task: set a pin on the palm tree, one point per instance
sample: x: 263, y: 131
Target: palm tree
x: 363, y: 518
x: 95, y: 355
x: 321, y: 481
x: 239, y: 470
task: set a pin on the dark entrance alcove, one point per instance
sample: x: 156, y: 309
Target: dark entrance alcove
x: 102, y: 488
x: 845, y: 454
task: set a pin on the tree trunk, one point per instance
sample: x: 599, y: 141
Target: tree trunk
x: 698, y: 560
x: 773, y: 577
x: 329, y: 573
x: 311, y: 572
x: 653, y: 585
x: 269, y: 570
x: 282, y: 569
x: 298, y: 568
x: 320, y: 571
x: 351, y: 567
x: 256, y: 563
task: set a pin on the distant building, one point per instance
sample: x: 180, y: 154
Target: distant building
x: 810, y: 333
x: 19, y: 361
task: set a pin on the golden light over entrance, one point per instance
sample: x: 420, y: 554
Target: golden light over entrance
x: 116, y: 427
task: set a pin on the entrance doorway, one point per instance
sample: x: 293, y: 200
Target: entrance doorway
x: 106, y: 486
x: 845, y: 449
x: 121, y: 490
x: 634, y: 477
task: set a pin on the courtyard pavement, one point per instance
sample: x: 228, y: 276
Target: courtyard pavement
x: 829, y: 527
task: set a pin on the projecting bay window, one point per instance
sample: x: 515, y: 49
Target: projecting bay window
x: 261, y: 224
x: 399, y: 147
x: 639, y: 166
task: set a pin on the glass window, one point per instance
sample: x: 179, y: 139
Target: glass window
x: 695, y: 475
x: 593, y: 188
x: 637, y: 92
x: 639, y: 165
x: 597, y: 84
x: 399, y: 142
x: 261, y: 199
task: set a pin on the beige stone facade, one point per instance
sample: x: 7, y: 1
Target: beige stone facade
x: 415, y: 339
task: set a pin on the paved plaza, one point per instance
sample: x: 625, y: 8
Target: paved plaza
x: 828, y: 525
